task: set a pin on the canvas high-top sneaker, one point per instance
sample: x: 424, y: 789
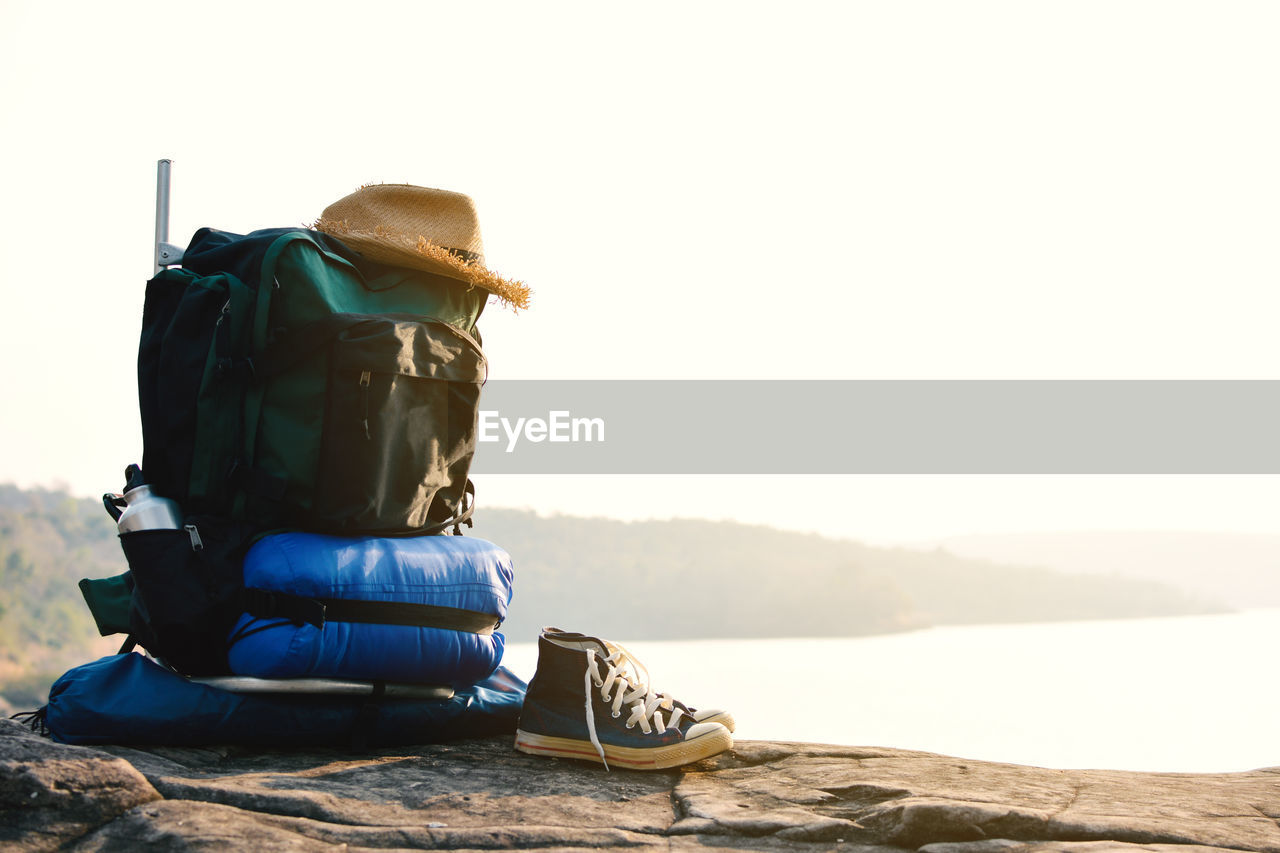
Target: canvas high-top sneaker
x: 708, y: 715
x: 588, y: 701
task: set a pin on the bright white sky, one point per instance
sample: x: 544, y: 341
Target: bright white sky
x: 929, y: 190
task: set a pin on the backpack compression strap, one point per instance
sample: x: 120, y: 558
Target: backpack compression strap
x: 316, y: 611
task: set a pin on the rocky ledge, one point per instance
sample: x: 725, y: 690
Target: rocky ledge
x: 482, y: 795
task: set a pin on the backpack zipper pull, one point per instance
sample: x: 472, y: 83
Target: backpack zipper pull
x: 365, y: 377
x: 197, y: 544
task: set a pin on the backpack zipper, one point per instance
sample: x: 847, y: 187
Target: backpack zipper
x: 365, y: 377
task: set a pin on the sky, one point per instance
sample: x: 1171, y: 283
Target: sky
x: 928, y: 190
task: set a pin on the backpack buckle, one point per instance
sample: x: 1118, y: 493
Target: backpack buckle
x: 296, y: 608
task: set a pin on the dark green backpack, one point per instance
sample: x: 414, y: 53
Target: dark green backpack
x: 285, y: 381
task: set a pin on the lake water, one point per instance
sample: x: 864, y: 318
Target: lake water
x: 1195, y: 694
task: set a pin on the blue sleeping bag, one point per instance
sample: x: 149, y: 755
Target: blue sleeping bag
x: 445, y: 571
x: 129, y: 699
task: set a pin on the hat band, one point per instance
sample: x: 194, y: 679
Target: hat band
x: 469, y: 257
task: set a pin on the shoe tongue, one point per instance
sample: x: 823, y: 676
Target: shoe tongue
x: 582, y: 641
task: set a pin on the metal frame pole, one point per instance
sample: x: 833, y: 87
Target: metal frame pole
x: 162, y: 209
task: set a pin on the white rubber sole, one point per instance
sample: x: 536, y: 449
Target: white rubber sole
x: 631, y: 758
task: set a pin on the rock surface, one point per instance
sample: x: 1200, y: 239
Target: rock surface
x: 482, y: 795
x: 51, y: 794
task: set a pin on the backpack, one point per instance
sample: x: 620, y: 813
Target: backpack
x: 287, y: 382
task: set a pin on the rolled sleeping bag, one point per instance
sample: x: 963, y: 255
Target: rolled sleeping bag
x: 462, y: 584
x: 130, y: 699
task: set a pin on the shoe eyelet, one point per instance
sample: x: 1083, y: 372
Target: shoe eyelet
x: 599, y: 684
x: 605, y: 696
x: 631, y: 725
x: 617, y: 714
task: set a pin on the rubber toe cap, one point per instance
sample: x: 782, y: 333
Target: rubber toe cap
x: 698, y: 730
x: 714, y: 715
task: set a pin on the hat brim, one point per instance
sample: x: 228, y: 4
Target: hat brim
x: 420, y: 253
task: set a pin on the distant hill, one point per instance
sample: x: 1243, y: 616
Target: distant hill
x: 686, y: 578
x: 1240, y: 569
x: 629, y: 580
x: 48, y: 541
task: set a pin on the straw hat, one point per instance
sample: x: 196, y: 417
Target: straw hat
x: 421, y: 228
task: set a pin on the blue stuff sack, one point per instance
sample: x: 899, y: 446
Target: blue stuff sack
x: 129, y: 699
x: 455, y: 572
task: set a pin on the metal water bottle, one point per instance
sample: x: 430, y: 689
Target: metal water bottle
x: 142, y: 509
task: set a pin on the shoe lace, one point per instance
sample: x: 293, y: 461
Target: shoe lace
x: 620, y: 687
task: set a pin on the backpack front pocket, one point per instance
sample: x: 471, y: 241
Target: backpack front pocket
x: 400, y: 425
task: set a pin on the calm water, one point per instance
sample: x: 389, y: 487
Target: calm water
x: 1198, y: 693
